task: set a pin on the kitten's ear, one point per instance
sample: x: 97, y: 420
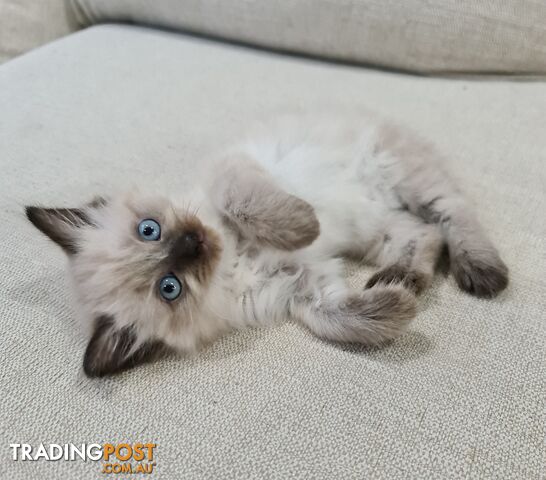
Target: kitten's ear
x: 112, y: 350
x: 59, y: 224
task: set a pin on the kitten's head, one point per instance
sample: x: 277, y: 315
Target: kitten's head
x: 143, y: 271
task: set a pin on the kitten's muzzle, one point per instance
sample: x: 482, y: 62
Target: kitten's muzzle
x: 190, y: 245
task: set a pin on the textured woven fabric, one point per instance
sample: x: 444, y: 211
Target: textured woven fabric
x: 26, y: 24
x: 506, y: 36
x: 460, y: 396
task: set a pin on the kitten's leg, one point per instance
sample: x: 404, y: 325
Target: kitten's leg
x: 370, y: 318
x: 248, y: 198
x: 407, y: 253
x: 427, y: 191
x: 316, y: 294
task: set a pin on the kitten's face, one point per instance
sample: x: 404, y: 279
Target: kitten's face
x: 141, y: 269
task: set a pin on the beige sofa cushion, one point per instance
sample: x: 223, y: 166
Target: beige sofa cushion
x: 507, y: 36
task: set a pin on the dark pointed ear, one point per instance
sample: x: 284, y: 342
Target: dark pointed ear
x: 112, y: 350
x: 59, y: 224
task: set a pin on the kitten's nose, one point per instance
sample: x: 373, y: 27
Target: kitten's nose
x: 188, y: 245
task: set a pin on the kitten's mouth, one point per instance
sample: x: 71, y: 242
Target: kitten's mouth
x: 204, y: 245
x: 201, y: 242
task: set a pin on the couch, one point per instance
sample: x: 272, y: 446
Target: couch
x: 462, y: 395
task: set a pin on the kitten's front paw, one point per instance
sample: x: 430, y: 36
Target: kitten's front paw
x: 410, y: 279
x: 289, y: 223
x: 483, y: 274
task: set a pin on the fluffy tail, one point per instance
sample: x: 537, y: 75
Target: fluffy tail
x: 370, y: 318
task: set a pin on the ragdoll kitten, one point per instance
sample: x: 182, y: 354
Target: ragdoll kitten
x: 261, y: 238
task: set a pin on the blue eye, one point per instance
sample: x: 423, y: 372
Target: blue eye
x: 169, y: 287
x: 149, y: 230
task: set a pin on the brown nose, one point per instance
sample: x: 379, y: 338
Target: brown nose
x: 188, y: 246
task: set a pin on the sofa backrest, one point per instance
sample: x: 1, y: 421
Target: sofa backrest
x: 428, y: 36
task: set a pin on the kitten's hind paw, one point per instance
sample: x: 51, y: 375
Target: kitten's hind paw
x: 482, y: 274
x: 370, y: 318
x: 379, y: 314
x: 396, y: 274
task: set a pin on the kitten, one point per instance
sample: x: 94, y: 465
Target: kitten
x: 261, y: 239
